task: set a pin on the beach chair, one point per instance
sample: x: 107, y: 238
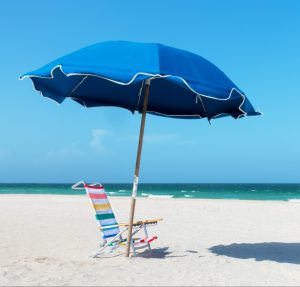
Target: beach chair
x: 112, y: 232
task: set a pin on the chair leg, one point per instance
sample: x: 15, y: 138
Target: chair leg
x: 133, y: 247
x: 107, y: 242
x: 100, y: 250
x: 132, y: 241
x: 104, y: 241
x: 146, y: 234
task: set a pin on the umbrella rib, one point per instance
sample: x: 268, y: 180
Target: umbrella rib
x: 77, y: 86
x: 199, y: 97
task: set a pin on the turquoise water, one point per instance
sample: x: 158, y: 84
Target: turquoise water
x: 213, y: 191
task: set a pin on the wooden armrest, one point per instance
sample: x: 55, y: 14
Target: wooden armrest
x: 136, y: 223
x: 142, y: 222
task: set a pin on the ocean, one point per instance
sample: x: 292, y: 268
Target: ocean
x: 285, y: 192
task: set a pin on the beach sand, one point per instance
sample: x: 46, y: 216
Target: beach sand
x: 47, y: 240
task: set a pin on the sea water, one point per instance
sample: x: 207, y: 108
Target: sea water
x: 286, y: 192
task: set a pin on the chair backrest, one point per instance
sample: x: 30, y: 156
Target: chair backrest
x: 104, y: 213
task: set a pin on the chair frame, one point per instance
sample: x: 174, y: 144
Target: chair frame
x: 137, y: 226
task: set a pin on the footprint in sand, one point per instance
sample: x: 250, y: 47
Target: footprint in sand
x: 41, y: 259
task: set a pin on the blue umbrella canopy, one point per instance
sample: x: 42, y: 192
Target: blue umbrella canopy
x: 114, y: 73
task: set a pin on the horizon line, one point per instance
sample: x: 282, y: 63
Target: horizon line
x: 156, y: 183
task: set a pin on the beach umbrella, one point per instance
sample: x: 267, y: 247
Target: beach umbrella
x: 143, y: 77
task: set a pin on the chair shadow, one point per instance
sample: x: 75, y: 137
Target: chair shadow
x: 157, y: 253
x: 160, y: 253
x: 272, y: 251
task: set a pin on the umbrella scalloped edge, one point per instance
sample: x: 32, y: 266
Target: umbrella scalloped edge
x: 150, y: 77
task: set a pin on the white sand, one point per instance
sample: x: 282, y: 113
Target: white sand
x: 47, y: 240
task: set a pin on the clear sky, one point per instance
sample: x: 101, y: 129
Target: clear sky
x: 256, y: 43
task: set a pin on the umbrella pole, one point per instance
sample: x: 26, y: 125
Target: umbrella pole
x: 137, y: 167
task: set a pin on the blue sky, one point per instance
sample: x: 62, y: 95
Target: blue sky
x: 256, y: 43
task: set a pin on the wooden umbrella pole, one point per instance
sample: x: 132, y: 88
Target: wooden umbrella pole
x: 137, y: 167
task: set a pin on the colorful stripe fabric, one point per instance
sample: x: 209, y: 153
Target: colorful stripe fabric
x: 104, y: 213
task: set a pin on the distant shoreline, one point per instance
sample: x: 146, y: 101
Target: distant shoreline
x: 126, y: 198
x: 237, y: 191
x: 156, y: 183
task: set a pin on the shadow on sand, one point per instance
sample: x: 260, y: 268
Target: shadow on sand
x: 161, y: 253
x: 157, y: 253
x: 272, y: 251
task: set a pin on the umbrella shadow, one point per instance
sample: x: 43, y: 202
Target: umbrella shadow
x: 271, y: 251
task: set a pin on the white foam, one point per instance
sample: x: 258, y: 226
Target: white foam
x: 122, y: 190
x: 294, y: 200
x: 186, y: 195
x: 184, y: 191
x: 160, y: 196
x: 144, y: 194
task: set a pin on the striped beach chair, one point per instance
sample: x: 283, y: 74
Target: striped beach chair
x: 113, y: 232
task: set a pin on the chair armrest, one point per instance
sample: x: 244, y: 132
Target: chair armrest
x: 143, y: 222
x: 136, y: 223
